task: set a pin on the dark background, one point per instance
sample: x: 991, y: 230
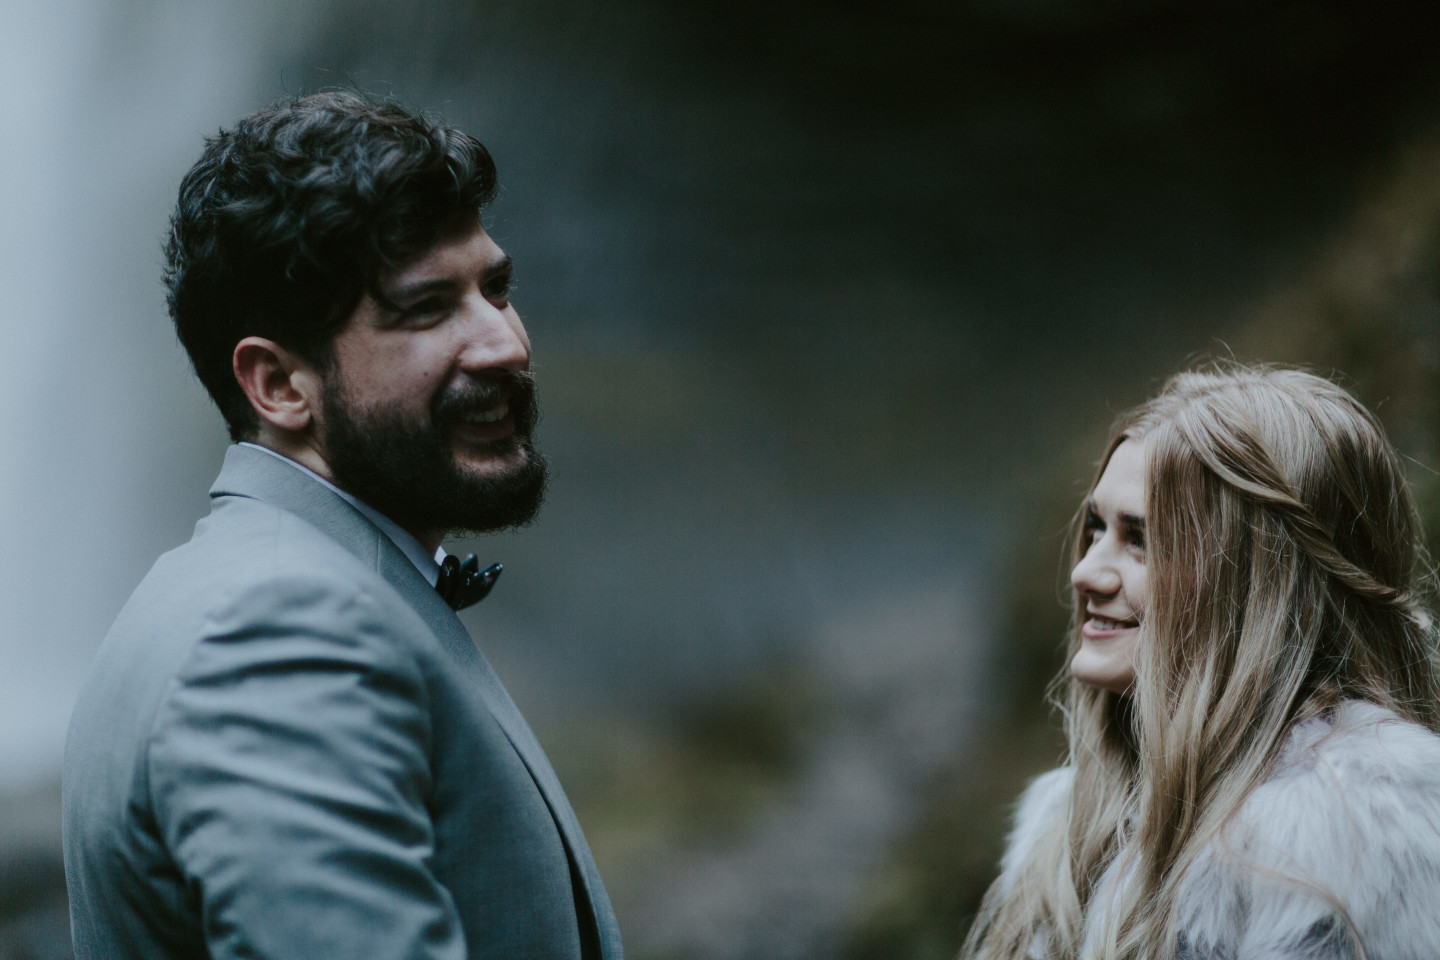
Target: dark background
x: 832, y: 305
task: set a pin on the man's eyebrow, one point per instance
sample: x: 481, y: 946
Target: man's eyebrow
x: 418, y: 288
x: 503, y: 265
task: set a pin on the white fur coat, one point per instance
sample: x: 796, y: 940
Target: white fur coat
x: 1344, y: 835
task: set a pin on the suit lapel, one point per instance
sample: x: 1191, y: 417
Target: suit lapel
x: 259, y: 475
x: 452, y: 633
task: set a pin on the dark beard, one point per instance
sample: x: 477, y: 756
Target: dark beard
x: 405, y: 468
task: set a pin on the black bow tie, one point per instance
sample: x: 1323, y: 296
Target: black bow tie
x: 464, y: 584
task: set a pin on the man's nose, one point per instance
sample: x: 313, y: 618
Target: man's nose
x: 493, y: 338
x: 1094, y: 575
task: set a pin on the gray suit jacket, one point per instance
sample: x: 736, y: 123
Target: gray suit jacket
x: 289, y: 747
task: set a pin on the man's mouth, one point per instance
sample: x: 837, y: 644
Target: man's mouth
x: 490, y: 415
x: 486, y: 425
x: 495, y: 410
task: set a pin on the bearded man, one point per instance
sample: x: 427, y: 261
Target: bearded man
x: 289, y: 746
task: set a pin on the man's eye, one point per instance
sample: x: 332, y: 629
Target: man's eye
x: 423, y: 309
x: 498, y: 288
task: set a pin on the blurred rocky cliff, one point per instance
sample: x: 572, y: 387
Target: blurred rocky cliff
x: 1365, y: 309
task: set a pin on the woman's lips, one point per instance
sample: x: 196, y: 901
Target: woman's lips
x: 1100, y: 628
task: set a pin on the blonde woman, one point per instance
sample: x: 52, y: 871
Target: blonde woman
x: 1252, y: 703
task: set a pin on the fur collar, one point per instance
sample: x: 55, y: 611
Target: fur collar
x: 1341, y: 841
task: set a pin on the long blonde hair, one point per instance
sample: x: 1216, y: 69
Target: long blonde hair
x: 1285, y: 574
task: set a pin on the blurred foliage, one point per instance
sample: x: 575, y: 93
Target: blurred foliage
x: 755, y: 730
x: 646, y: 790
x: 927, y: 894
x: 1366, y: 311
x: 923, y: 900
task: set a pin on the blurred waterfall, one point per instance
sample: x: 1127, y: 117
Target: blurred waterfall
x: 106, y: 443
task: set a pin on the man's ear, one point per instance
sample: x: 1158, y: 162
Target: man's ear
x: 284, y: 388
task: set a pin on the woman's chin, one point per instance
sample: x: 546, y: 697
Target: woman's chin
x: 1106, y: 669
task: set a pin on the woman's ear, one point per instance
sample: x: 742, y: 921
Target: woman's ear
x: 283, y: 388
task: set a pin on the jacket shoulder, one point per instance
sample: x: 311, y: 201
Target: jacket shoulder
x: 253, y: 579
x: 245, y: 548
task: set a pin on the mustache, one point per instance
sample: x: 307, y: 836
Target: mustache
x: 482, y: 391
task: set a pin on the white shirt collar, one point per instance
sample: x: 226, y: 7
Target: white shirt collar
x: 429, y: 566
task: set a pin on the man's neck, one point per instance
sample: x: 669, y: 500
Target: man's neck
x: 299, y: 449
x: 309, y: 456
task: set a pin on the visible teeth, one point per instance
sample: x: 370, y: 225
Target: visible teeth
x: 1110, y: 624
x: 489, y: 416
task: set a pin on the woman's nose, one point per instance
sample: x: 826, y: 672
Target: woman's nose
x: 1094, y: 575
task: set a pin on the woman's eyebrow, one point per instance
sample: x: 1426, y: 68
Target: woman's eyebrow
x: 1133, y: 519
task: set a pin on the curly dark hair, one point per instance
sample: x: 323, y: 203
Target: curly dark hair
x: 295, y: 213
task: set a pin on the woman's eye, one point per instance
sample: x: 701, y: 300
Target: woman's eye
x: 1135, y: 537
x: 1094, y: 526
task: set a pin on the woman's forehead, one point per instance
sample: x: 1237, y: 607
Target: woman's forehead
x: 1121, y: 488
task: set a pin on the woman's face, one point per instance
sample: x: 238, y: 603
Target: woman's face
x: 1110, y: 578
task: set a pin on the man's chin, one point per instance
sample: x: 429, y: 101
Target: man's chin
x: 494, y: 489
x: 490, y: 461
x: 434, y: 475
